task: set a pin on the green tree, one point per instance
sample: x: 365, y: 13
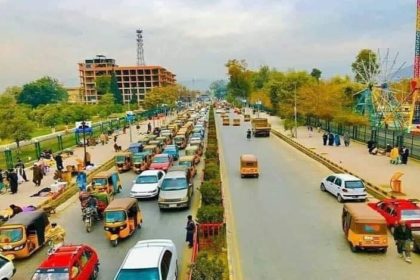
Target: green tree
x: 103, y: 84
x: 365, y: 66
x: 239, y: 85
x: 261, y: 78
x: 43, y: 91
x: 13, y: 92
x: 218, y: 88
x: 115, y: 90
x: 162, y: 95
x: 316, y: 73
x: 17, y: 126
x: 274, y: 93
x: 106, y: 105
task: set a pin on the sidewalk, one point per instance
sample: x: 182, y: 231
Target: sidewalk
x: 99, y: 155
x: 375, y: 169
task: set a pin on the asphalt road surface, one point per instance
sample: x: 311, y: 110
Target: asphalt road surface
x: 286, y: 228
x: 156, y: 225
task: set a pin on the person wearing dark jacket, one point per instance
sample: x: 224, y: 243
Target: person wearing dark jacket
x: 403, y: 237
x: 404, y: 155
x: 59, y: 162
x: 330, y: 139
x: 20, y: 167
x: 190, y: 231
x: 12, y: 177
x: 325, y: 138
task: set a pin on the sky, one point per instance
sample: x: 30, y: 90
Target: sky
x: 195, y: 38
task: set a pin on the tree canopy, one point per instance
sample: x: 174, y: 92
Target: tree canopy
x: 365, y: 66
x: 43, y: 91
x: 218, y: 89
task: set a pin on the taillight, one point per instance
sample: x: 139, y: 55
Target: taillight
x: 345, y: 190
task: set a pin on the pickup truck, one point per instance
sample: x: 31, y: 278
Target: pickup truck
x: 260, y: 127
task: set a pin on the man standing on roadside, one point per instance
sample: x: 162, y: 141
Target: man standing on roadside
x: 12, y: 177
x: 190, y: 231
x: 59, y: 162
x: 20, y: 167
x: 403, y: 237
x: 325, y: 138
x: 404, y: 155
x: 37, y: 175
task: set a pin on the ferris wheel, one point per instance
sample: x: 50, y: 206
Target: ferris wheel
x: 383, y: 105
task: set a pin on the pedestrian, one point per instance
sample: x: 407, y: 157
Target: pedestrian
x: 124, y: 129
x: 403, y: 237
x: 20, y: 167
x: 190, y: 231
x: 1, y: 180
x: 102, y: 138
x: 346, y: 138
x: 404, y: 155
x: 88, y: 159
x: 310, y: 131
x: 325, y: 138
x: 337, y: 140
x: 115, y: 138
x: 138, y: 127
x: 12, y: 177
x: 149, y: 128
x: 330, y: 139
x: 81, y: 181
x: 37, y: 175
x: 394, y: 155
x: 388, y: 150
x: 59, y: 162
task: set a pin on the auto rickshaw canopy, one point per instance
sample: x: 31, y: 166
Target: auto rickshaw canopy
x: 121, y: 203
x: 362, y: 213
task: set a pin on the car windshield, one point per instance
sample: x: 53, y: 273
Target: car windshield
x: 8, y: 235
x: 146, y: 179
x: 51, y: 274
x: 354, y: 184
x: 99, y: 181
x: 410, y: 214
x: 172, y: 184
x: 185, y: 163
x: 134, y: 274
x: 160, y: 159
x: 114, y: 216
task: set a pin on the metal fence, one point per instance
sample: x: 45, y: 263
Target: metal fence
x: 30, y: 151
x: 382, y: 136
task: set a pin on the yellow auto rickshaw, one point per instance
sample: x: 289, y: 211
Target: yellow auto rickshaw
x: 364, y: 228
x: 236, y: 122
x: 152, y: 137
x: 144, y: 140
x: 105, y: 181
x: 158, y: 143
x: 122, y: 217
x: 226, y: 121
x: 193, y: 151
x: 152, y: 149
x: 247, y: 117
x: 166, y: 140
x: 188, y: 161
x: 23, y: 234
x: 123, y: 161
x: 249, y: 166
x: 141, y: 161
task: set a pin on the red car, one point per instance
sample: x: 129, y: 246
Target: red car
x: 75, y: 262
x: 161, y: 162
x: 395, y: 210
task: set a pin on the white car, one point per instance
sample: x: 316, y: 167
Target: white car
x: 150, y: 259
x: 344, y: 187
x: 7, y: 269
x: 147, y: 184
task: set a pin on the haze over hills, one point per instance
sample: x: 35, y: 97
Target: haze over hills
x: 197, y: 84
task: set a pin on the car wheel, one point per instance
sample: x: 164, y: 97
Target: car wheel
x: 322, y: 187
x: 95, y: 273
x: 242, y: 176
x: 339, y: 198
x: 384, y: 250
x: 114, y: 242
x: 353, y: 248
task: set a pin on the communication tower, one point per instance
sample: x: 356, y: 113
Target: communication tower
x: 140, y: 51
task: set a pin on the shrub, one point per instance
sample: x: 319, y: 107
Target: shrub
x: 211, y: 193
x: 211, y: 172
x: 207, y: 268
x: 210, y: 214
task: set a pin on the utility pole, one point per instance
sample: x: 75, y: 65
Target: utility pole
x: 295, y: 111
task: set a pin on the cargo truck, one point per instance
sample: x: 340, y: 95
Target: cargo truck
x: 260, y: 127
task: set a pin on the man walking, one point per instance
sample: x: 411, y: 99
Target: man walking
x: 190, y: 231
x: 404, y: 155
x: 346, y: 138
x: 20, y: 168
x: 37, y: 175
x: 12, y: 177
x: 325, y: 138
x: 59, y: 162
x: 403, y: 237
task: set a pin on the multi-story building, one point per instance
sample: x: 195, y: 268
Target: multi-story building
x: 74, y: 94
x: 133, y: 81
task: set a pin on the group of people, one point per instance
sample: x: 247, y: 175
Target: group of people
x: 331, y: 139
x: 13, y: 176
x: 397, y: 155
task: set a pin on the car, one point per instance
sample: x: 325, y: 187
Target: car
x: 147, y: 184
x: 76, y: 262
x: 344, y: 187
x: 172, y: 150
x: 161, y: 162
x: 7, y: 269
x: 176, y: 190
x: 197, y: 136
x: 395, y: 210
x: 150, y: 259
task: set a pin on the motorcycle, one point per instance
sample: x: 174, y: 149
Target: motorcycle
x: 53, y: 247
x: 88, y: 217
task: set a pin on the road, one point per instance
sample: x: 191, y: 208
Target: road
x: 285, y: 227
x: 156, y: 224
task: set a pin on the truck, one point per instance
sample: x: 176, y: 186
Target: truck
x: 260, y: 127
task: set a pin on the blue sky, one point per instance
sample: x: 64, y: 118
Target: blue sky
x: 194, y: 38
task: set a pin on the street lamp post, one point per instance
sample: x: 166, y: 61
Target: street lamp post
x: 295, y: 111
x: 84, y: 143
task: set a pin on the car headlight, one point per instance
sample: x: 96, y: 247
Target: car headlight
x: 19, y: 247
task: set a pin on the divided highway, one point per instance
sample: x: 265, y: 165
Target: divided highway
x: 286, y: 228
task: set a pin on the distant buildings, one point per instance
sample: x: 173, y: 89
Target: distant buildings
x: 75, y: 94
x: 133, y: 81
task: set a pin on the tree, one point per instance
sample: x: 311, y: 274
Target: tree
x: 316, y: 73
x: 106, y: 105
x: 43, y: 91
x: 115, y: 90
x: 239, y: 85
x: 17, y: 126
x: 365, y: 66
x: 103, y: 84
x: 13, y: 92
x: 162, y: 95
x: 261, y: 77
x: 219, y: 88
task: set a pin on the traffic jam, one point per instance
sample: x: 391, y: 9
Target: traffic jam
x: 163, y: 164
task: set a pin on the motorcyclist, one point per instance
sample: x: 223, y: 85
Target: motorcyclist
x: 92, y: 203
x: 56, y: 235
x: 248, y: 134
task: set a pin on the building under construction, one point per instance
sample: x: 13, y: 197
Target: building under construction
x: 133, y: 81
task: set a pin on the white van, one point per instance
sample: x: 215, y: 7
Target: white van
x: 176, y: 190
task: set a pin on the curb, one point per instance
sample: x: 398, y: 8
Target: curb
x: 371, y: 188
